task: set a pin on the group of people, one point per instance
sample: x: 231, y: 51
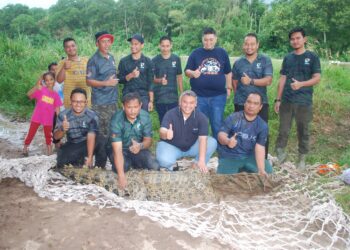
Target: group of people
x: 124, y: 135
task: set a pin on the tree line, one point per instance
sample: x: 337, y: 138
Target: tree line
x: 326, y: 22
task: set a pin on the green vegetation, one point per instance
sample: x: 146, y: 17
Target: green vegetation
x: 326, y: 22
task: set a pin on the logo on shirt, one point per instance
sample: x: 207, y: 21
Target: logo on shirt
x: 307, y: 61
x: 89, y: 73
x: 210, y: 66
x: 246, y: 136
x: 258, y: 65
x: 47, y: 99
x: 142, y: 65
x: 173, y: 64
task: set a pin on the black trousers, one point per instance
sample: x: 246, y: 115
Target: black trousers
x: 264, y: 114
x: 75, y: 153
x: 143, y: 160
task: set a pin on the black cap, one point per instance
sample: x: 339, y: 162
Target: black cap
x: 137, y: 37
x: 103, y: 34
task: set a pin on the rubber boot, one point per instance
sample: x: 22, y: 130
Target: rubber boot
x: 301, y: 162
x: 281, y: 155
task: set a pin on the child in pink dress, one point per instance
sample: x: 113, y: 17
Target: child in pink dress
x: 47, y: 103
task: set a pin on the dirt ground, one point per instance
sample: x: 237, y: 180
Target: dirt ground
x: 30, y: 222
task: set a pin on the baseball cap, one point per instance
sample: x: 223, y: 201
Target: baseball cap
x: 104, y: 34
x: 137, y: 37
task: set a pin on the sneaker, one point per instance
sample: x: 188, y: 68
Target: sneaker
x: 281, y: 155
x: 301, y: 162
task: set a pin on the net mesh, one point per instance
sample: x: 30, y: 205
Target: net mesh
x: 300, y: 214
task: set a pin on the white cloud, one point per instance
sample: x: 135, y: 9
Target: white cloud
x: 30, y: 3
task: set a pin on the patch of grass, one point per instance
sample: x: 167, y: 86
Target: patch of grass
x: 343, y: 198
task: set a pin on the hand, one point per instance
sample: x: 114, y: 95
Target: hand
x: 262, y: 173
x: 89, y: 162
x: 164, y: 81
x: 170, y: 132
x: 122, y: 182
x: 112, y: 81
x: 295, y: 85
x: 196, y: 73
x: 135, y: 147
x: 67, y: 63
x: 245, y: 79
x: 65, y: 124
x: 202, y: 167
x: 232, y: 141
x: 277, y: 107
x: 135, y: 73
x: 150, y: 106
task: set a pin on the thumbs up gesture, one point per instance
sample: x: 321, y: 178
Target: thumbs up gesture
x: 136, y: 72
x: 170, y: 132
x: 65, y: 124
x: 67, y: 63
x: 112, y: 81
x: 196, y: 73
x: 164, y: 80
x: 245, y: 79
x: 135, y: 147
x: 232, y: 142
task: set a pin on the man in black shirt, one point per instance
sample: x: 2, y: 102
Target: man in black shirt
x: 300, y: 71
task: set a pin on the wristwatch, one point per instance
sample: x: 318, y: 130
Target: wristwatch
x: 251, y: 81
x: 277, y: 100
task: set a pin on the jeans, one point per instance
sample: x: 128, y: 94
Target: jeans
x: 234, y: 166
x: 213, y: 107
x: 264, y: 114
x: 303, y: 117
x: 163, y: 108
x: 142, y: 160
x: 167, y: 154
x: 74, y: 153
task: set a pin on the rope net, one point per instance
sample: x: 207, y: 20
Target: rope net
x: 290, y: 210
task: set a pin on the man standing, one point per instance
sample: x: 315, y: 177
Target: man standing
x: 184, y: 132
x: 252, y: 73
x: 301, y: 70
x: 135, y: 71
x: 131, y: 138
x: 242, y: 140
x: 102, y: 77
x: 72, y: 71
x: 209, y: 70
x: 167, y: 78
x: 80, y: 125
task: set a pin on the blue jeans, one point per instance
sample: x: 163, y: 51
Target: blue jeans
x: 213, y: 107
x: 162, y: 108
x: 167, y: 154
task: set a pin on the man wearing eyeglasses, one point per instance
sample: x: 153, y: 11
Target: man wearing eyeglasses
x: 80, y: 125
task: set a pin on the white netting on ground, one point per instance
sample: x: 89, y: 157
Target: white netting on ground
x: 300, y: 215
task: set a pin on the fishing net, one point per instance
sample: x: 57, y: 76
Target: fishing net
x: 289, y: 210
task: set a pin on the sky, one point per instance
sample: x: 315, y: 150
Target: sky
x: 45, y: 4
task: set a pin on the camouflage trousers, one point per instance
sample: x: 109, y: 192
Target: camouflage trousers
x: 104, y: 113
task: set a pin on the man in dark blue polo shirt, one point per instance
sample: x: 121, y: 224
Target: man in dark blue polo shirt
x: 184, y: 132
x: 80, y: 125
x: 242, y: 140
x: 131, y: 138
x: 209, y: 70
x: 252, y: 73
x: 102, y: 77
x: 301, y: 70
x: 135, y: 72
